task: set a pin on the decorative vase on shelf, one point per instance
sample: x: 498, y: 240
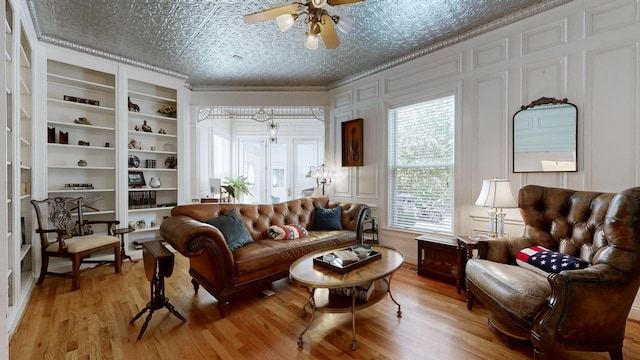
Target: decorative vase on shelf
x: 154, y: 182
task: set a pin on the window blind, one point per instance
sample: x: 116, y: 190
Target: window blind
x: 421, y: 165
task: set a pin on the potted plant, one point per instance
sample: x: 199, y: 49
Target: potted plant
x: 240, y: 186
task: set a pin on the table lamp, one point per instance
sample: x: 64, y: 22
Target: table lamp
x: 496, y: 195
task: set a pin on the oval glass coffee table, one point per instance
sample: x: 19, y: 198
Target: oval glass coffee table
x: 319, y: 279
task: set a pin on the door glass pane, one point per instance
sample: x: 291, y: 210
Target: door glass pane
x: 279, y: 183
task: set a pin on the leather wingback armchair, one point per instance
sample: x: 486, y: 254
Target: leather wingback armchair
x: 585, y: 309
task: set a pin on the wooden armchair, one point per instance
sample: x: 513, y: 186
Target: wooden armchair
x: 60, y: 236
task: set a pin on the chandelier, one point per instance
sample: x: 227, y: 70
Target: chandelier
x: 272, y: 126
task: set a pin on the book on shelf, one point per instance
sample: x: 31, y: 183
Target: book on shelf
x: 362, y: 292
x: 142, y: 199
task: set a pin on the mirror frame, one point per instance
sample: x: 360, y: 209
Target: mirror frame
x: 561, y: 162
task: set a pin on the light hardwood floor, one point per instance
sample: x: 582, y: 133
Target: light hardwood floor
x: 93, y: 323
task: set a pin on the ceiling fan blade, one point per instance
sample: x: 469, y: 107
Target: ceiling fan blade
x: 272, y: 13
x: 328, y: 32
x: 342, y: 2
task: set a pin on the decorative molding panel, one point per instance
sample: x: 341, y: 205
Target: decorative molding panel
x: 490, y: 111
x: 367, y: 177
x: 612, y: 116
x: 492, y: 53
x: 438, y: 69
x: 307, y: 128
x: 343, y: 99
x: 614, y: 15
x: 342, y: 184
x: 367, y: 92
x: 546, y: 78
x: 544, y: 37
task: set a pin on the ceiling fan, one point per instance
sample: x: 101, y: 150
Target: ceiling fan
x: 319, y: 20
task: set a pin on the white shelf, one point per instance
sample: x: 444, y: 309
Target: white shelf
x: 152, y: 189
x: 147, y: 229
x: 24, y: 114
x: 25, y: 63
x: 152, y: 152
x: 25, y: 197
x: 76, y: 167
x: 144, y: 96
x: 78, y: 147
x: 83, y: 84
x: 143, y: 133
x: 24, y: 141
x: 150, y: 209
x: 135, y: 115
x: 63, y: 191
x: 82, y: 106
x: 24, y: 250
x: 81, y: 126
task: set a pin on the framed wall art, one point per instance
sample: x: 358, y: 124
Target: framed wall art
x: 352, y: 143
x: 136, y: 179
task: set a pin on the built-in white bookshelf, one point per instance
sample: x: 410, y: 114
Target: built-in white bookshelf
x: 152, y: 152
x: 19, y: 255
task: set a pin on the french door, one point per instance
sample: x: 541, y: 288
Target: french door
x: 277, y: 171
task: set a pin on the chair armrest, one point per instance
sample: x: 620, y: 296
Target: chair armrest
x: 192, y: 237
x: 60, y: 238
x: 109, y: 223
x: 503, y: 250
x: 585, y: 305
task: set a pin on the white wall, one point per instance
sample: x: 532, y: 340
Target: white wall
x: 586, y: 51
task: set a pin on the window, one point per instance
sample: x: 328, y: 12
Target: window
x: 421, y: 164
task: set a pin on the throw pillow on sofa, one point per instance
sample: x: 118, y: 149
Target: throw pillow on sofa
x: 327, y: 219
x: 286, y: 232
x: 231, y: 226
x: 545, y: 261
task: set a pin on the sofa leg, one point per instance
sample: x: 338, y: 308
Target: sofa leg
x: 539, y: 354
x: 223, y: 308
x: 196, y: 286
x: 470, y: 299
x: 616, y: 354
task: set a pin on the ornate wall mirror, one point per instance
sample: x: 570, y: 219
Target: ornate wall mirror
x: 545, y: 135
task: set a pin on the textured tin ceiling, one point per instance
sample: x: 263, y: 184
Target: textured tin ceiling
x: 208, y: 42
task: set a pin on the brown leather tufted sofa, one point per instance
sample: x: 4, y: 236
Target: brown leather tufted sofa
x: 584, y: 310
x: 224, y: 273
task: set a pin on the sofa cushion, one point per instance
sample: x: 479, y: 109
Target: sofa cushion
x: 231, y: 226
x: 544, y: 261
x: 286, y: 232
x: 519, y: 290
x: 327, y: 219
x: 268, y: 253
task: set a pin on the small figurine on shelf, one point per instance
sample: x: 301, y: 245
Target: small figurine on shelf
x: 168, y: 110
x: 162, y: 131
x: 84, y: 143
x: 145, y: 127
x: 82, y: 121
x: 135, y: 144
x: 51, y: 134
x: 136, y: 128
x: 132, y: 106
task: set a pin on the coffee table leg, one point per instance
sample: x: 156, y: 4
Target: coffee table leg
x: 354, y: 345
x: 391, y: 295
x: 312, y: 304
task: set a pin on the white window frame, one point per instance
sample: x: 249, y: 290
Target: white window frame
x: 430, y: 215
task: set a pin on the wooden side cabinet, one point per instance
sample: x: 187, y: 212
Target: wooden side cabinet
x: 438, y: 259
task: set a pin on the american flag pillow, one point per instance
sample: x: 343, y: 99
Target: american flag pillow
x: 544, y: 261
x: 287, y: 232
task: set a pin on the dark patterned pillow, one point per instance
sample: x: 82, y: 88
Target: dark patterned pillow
x: 231, y: 226
x: 545, y: 261
x: 327, y: 219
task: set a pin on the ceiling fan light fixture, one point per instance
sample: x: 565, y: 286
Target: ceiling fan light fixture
x: 286, y: 21
x: 312, y: 41
x: 344, y: 23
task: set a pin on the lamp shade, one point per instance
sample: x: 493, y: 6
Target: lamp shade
x: 496, y: 193
x: 285, y: 21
